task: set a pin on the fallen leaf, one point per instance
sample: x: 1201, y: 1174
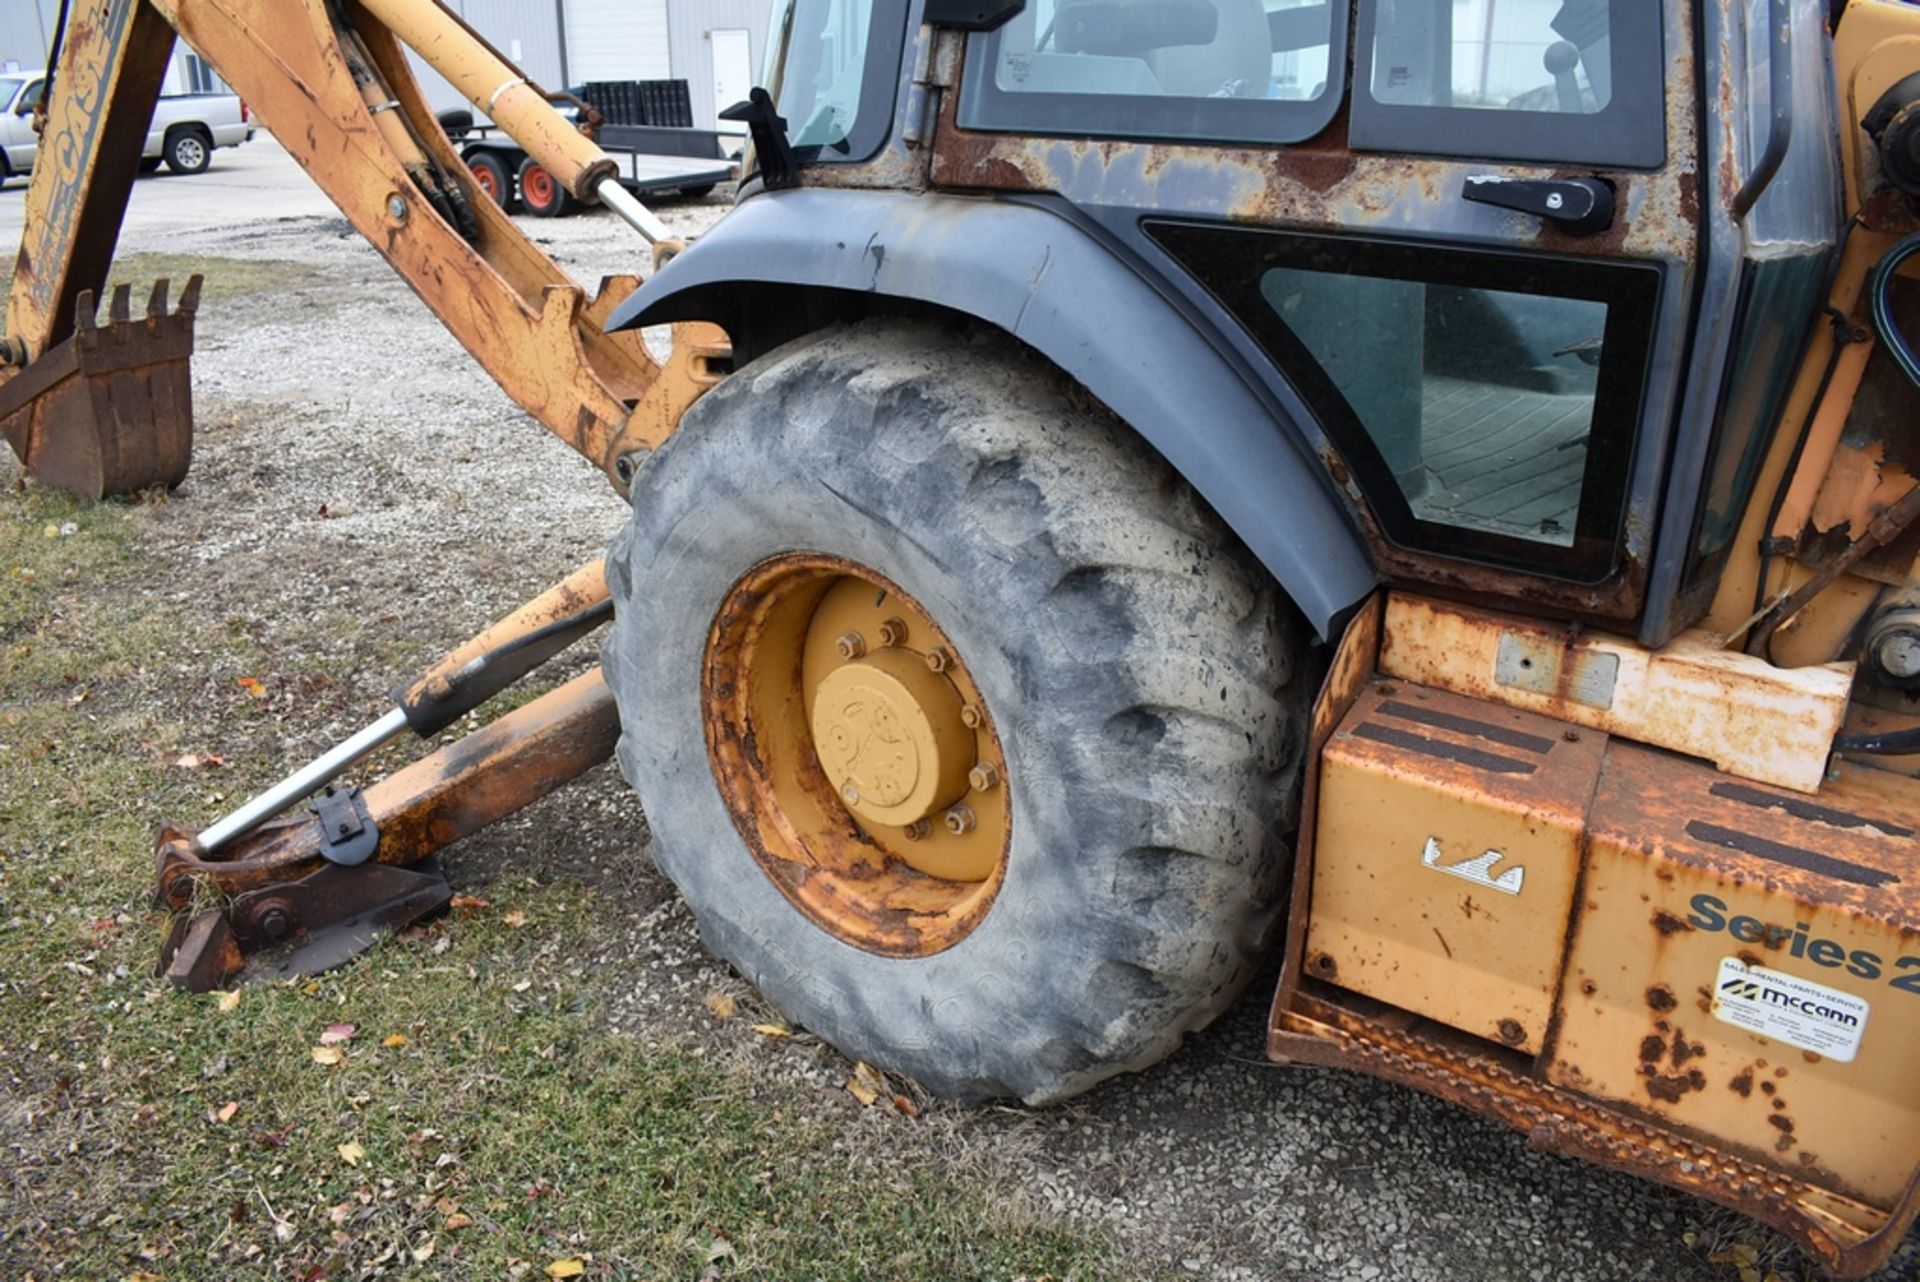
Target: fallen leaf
x: 773, y: 1030
x: 457, y: 1221
x: 327, y: 1055
x: 721, y: 1005
x: 351, y: 1152
x: 423, y: 1252
x: 720, y: 1250
x: 866, y: 1084
x: 337, y: 1033
x: 392, y: 1040
x: 252, y: 687
x: 226, y: 1001
x: 468, y: 902
x: 144, y: 1277
x: 566, y: 1268
x: 516, y: 918
x: 906, y: 1106
x: 225, y: 1112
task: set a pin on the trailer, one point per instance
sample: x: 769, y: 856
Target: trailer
x: 653, y: 159
x: 645, y: 126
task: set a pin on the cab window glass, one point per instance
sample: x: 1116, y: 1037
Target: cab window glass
x: 832, y: 66
x: 1485, y: 402
x: 1504, y: 55
x: 1568, y: 81
x: 1232, y: 70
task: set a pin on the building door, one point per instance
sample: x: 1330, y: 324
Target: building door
x: 732, y: 49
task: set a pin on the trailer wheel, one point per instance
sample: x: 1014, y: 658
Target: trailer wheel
x: 542, y: 193
x: 968, y: 733
x: 189, y: 151
x: 490, y: 176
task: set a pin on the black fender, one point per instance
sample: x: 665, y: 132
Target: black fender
x: 1058, y: 288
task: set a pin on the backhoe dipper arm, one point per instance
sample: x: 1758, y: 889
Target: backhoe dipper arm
x: 303, y: 67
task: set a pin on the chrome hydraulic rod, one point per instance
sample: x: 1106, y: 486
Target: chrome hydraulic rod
x: 459, y: 682
x: 302, y: 783
x: 631, y: 211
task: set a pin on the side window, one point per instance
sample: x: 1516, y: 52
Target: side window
x: 1485, y: 402
x: 1566, y: 81
x: 31, y: 98
x: 1260, y: 71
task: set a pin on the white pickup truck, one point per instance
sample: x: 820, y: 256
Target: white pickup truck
x: 185, y: 130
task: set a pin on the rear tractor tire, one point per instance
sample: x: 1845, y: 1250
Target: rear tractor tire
x: 969, y: 734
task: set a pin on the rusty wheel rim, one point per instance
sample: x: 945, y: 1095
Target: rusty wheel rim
x: 856, y: 754
x: 537, y: 186
x: 487, y: 181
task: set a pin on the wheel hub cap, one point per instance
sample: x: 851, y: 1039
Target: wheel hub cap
x: 890, y: 736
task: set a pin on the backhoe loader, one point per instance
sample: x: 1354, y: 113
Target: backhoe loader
x: 1424, y: 488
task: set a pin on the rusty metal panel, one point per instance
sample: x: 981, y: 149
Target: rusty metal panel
x: 1751, y: 719
x: 1745, y: 966
x: 1448, y: 847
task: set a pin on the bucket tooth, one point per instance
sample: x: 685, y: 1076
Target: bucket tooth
x: 109, y: 410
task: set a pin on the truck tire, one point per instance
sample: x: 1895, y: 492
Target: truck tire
x: 1130, y: 667
x: 189, y: 150
x: 541, y: 193
x: 490, y: 176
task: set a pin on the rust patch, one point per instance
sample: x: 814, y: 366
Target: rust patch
x: 1668, y: 924
x: 1651, y: 1049
x: 1661, y: 998
x: 1670, y: 1088
x: 1742, y: 1083
x: 1684, y: 1050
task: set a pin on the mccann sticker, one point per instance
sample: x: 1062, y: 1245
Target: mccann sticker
x: 1789, y: 1009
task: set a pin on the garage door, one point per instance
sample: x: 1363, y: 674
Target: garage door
x: 617, y: 40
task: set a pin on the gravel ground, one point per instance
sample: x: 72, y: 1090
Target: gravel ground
x: 349, y: 450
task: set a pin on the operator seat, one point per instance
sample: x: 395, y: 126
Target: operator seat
x: 1238, y: 64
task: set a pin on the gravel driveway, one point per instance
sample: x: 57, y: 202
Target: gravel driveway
x: 349, y: 448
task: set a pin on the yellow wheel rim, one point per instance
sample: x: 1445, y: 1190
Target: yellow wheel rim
x: 856, y: 754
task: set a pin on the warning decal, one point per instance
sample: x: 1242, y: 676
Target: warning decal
x: 1789, y: 1009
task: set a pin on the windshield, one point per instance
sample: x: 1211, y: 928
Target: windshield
x: 9, y: 86
x: 831, y: 69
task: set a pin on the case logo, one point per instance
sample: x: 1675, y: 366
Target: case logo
x: 1478, y: 870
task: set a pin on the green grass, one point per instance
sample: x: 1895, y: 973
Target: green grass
x: 149, y: 1131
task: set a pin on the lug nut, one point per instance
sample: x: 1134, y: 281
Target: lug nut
x: 918, y: 830
x: 938, y: 659
x: 893, y: 632
x: 851, y: 646
x: 970, y: 716
x: 960, y: 820
x: 983, y: 776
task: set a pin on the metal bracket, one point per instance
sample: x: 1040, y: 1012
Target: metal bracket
x: 347, y: 832
x: 768, y: 130
x: 320, y: 921
x: 971, y: 15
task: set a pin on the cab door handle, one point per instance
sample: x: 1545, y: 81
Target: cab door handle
x: 1579, y: 206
